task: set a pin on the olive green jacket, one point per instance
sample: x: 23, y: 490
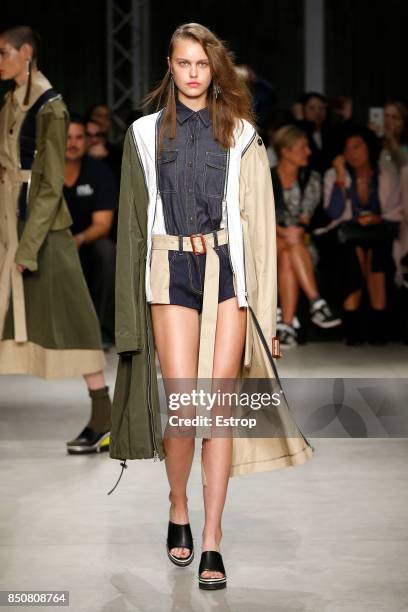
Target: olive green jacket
x: 46, y: 207
x: 136, y: 425
x: 47, y: 181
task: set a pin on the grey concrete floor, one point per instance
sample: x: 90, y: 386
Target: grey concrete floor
x: 330, y: 535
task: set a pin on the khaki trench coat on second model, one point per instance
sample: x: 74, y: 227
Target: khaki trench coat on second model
x: 136, y: 424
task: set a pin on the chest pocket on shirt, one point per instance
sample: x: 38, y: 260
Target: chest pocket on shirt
x: 168, y: 171
x: 214, y: 174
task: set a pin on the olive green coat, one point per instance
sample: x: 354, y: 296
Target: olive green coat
x: 48, y: 324
x: 136, y: 426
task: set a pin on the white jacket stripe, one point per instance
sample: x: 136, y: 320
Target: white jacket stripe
x: 144, y: 132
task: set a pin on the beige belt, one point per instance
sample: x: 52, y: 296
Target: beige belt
x: 15, y: 174
x: 200, y: 244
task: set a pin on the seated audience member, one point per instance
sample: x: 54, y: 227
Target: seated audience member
x: 276, y: 119
x: 394, y: 152
x: 102, y: 115
x: 315, y: 124
x: 364, y: 202
x: 91, y: 194
x: 297, y: 192
x: 341, y: 121
x: 99, y: 148
x: 342, y: 108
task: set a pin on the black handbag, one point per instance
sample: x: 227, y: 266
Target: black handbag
x: 353, y: 233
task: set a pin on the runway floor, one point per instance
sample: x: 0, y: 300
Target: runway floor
x: 330, y: 535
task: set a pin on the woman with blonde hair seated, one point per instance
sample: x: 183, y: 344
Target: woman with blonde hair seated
x: 297, y: 192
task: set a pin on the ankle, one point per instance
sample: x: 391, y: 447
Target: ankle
x: 211, y: 538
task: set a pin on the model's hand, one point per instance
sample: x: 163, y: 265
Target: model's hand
x: 21, y: 268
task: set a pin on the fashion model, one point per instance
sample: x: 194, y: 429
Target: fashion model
x: 196, y: 238
x: 48, y: 324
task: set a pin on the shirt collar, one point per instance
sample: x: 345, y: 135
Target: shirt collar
x: 183, y: 113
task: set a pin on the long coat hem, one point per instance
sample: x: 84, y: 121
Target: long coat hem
x: 31, y: 358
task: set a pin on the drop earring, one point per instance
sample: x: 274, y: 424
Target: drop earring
x: 216, y: 90
x: 28, y: 90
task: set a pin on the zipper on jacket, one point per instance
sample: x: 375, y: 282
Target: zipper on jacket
x: 243, y: 242
x: 224, y: 200
x: 155, y: 453
x: 249, y: 144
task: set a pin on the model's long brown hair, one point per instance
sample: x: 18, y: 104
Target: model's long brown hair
x: 234, y: 99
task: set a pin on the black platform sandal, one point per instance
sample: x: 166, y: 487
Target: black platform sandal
x: 211, y: 560
x: 180, y: 536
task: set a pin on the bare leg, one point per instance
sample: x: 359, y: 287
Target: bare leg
x: 375, y: 285
x: 176, y: 334
x: 217, y: 451
x: 303, y: 266
x: 95, y: 381
x: 288, y: 285
x: 352, y: 301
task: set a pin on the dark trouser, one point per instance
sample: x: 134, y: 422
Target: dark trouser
x: 98, y: 263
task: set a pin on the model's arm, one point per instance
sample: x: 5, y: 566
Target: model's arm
x: 130, y: 254
x: 44, y: 200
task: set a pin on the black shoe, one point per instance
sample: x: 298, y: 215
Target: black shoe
x: 180, y: 536
x: 353, y: 328
x: 88, y: 441
x: 322, y: 316
x: 287, y: 335
x: 211, y: 560
x: 378, y: 329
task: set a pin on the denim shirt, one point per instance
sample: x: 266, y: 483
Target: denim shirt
x: 192, y: 173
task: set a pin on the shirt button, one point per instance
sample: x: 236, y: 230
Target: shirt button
x: 190, y: 164
x: 259, y: 141
x: 11, y: 131
x: 190, y: 191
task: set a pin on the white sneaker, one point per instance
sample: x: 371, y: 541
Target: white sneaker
x: 287, y: 336
x: 322, y: 316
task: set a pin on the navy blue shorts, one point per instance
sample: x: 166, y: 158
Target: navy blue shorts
x: 187, y: 271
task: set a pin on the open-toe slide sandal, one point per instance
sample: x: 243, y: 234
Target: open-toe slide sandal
x: 180, y: 536
x: 211, y: 560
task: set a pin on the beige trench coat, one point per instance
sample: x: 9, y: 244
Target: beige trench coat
x: 136, y: 426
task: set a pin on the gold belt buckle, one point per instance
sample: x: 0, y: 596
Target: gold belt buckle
x: 202, y: 244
